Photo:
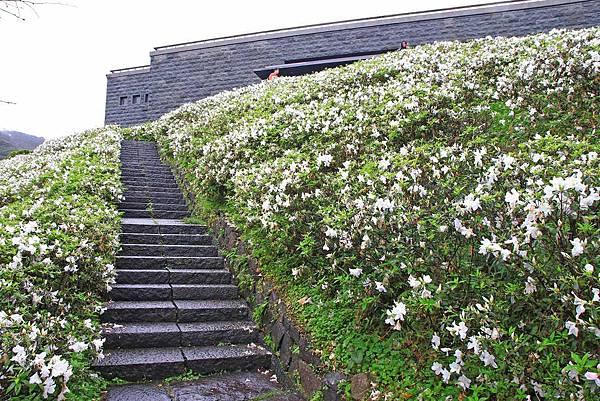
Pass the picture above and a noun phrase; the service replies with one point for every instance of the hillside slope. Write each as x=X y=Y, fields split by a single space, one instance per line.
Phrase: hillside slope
x=59 y=230
x=431 y=216
x=15 y=140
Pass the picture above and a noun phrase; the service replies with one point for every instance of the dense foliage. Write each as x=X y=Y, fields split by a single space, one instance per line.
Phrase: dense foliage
x=430 y=215
x=58 y=237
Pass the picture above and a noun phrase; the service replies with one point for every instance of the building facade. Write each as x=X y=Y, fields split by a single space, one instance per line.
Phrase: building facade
x=187 y=72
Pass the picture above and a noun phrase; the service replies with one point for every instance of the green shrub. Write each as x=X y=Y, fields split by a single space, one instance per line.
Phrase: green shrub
x=434 y=210
x=58 y=236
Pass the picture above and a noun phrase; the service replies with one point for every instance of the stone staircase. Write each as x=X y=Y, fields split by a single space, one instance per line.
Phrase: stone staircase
x=174 y=306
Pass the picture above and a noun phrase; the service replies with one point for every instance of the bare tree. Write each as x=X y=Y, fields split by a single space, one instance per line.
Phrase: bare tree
x=20 y=8
x=6 y=102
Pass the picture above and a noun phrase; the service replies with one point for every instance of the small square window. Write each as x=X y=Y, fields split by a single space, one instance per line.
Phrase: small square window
x=146 y=96
x=136 y=99
x=123 y=100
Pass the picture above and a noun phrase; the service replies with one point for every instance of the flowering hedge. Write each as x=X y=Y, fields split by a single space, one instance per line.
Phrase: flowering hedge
x=58 y=237
x=431 y=215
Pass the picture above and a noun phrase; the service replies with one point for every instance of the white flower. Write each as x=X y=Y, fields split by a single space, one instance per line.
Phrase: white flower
x=435 y=341
x=355 y=272
x=588 y=268
x=396 y=315
x=572 y=327
x=295 y=271
x=35 y=379
x=49 y=387
x=488 y=359
x=379 y=286
x=593 y=376
x=19 y=355
x=78 y=346
x=474 y=345
x=596 y=292
x=331 y=233
x=413 y=282
x=530 y=286
x=324 y=159
x=512 y=198
x=458 y=330
x=578 y=246
x=437 y=368
x=471 y=203
x=464 y=382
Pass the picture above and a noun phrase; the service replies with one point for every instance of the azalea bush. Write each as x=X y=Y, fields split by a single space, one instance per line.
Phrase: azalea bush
x=430 y=216
x=58 y=236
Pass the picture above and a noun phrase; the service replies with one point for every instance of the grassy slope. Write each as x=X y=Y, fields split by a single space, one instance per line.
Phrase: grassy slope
x=436 y=172
x=58 y=236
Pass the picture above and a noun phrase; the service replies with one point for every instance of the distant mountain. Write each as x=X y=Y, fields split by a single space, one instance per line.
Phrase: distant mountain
x=15 y=140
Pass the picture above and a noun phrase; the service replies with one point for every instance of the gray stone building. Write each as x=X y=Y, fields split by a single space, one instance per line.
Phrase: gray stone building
x=186 y=72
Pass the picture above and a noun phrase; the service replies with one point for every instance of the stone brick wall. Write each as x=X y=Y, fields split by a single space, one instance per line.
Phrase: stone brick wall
x=184 y=74
x=127 y=84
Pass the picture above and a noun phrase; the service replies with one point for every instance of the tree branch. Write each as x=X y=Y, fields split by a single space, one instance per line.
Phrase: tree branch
x=6 y=101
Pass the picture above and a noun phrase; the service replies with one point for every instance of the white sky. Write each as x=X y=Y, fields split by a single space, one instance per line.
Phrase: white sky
x=54 y=65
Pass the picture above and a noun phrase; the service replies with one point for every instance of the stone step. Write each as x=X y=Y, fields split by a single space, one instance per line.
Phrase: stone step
x=157 y=363
x=169 y=334
x=172 y=276
x=141 y=292
x=166 y=292
x=141 y=363
x=149 y=182
x=169 y=239
x=141 y=175
x=204 y=291
x=139 y=311
x=153 y=189
x=154 y=206
x=167 y=250
x=170 y=262
x=148 y=170
x=150 y=227
x=162 y=197
x=211 y=359
x=142 y=335
x=145 y=199
x=175 y=311
x=157 y=214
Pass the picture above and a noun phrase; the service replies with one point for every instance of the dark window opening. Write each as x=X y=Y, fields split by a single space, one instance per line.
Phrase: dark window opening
x=136 y=99
x=146 y=98
x=334 y=56
x=123 y=100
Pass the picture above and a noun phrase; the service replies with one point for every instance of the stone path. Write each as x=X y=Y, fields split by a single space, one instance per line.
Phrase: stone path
x=240 y=386
x=174 y=307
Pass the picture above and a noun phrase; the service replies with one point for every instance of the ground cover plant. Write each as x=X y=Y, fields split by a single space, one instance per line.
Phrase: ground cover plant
x=58 y=237
x=430 y=216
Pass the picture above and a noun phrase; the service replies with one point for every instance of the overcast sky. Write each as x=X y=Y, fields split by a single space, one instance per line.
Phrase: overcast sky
x=54 y=65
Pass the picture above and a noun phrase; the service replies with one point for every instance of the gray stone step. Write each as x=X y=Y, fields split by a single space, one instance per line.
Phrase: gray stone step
x=140 y=311
x=214 y=333
x=172 y=276
x=169 y=334
x=141 y=363
x=153 y=189
x=204 y=291
x=168 y=250
x=140 y=175
x=157 y=363
x=142 y=335
x=141 y=292
x=211 y=310
x=208 y=276
x=172 y=262
x=154 y=206
x=166 y=311
x=158 y=214
x=131 y=170
x=148 y=182
x=154 y=197
x=148 y=198
x=213 y=359
x=172 y=239
x=149 y=226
